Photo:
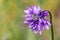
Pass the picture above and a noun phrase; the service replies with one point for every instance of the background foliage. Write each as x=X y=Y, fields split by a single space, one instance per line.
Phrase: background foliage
x=11 y=19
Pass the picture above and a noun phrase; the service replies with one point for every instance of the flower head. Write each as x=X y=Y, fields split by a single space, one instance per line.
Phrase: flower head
x=35 y=18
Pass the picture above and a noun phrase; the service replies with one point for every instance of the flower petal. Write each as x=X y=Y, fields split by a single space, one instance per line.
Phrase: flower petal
x=27 y=11
x=46 y=12
x=40 y=32
x=25 y=22
x=48 y=23
x=46 y=27
x=27 y=16
x=39 y=9
x=35 y=32
x=34 y=8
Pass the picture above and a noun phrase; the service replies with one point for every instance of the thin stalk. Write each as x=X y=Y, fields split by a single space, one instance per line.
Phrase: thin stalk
x=52 y=31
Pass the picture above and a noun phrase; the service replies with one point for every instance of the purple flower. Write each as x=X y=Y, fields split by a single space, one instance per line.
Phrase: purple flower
x=35 y=18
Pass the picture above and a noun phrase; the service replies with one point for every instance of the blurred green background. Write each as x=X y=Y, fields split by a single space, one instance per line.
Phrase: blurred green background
x=11 y=19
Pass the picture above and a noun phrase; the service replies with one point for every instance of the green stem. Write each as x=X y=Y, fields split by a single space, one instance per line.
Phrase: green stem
x=52 y=31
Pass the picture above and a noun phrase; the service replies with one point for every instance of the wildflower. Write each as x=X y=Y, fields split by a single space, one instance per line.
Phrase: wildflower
x=35 y=18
